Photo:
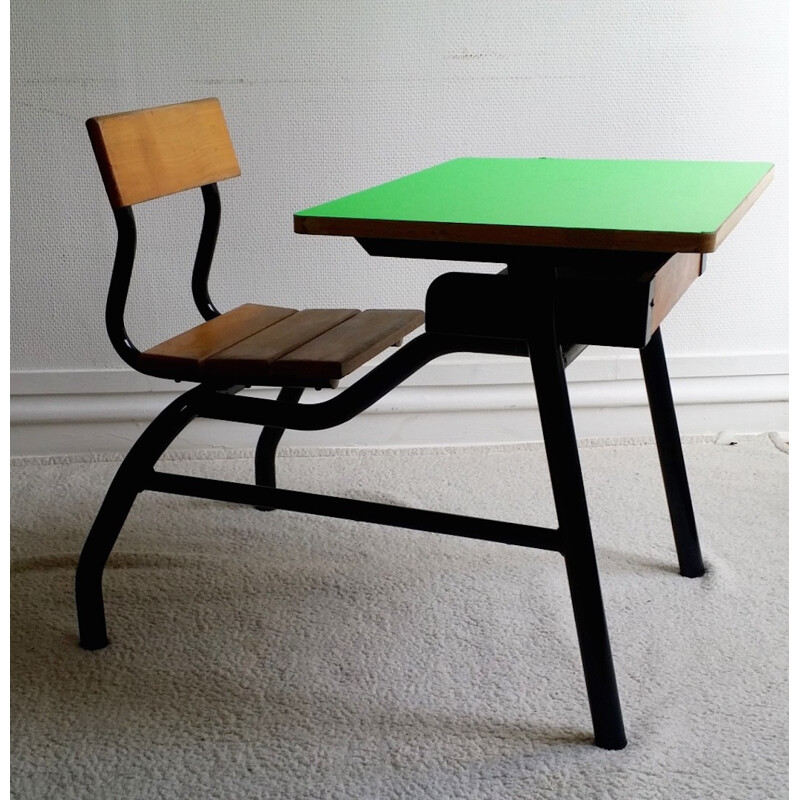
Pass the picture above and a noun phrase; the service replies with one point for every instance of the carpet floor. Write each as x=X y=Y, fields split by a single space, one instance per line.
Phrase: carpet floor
x=280 y=655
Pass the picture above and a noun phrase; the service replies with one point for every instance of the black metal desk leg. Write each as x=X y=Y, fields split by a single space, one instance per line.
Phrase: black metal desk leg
x=268 y=444
x=573 y=521
x=670 y=454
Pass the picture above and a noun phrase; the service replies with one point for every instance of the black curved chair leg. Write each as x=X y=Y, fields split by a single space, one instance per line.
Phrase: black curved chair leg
x=114 y=511
x=268 y=444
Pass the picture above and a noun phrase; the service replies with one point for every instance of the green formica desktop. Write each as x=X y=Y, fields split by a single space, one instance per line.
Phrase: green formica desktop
x=595 y=252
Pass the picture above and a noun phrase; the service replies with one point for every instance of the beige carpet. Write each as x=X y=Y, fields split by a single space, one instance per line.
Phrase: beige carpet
x=280 y=655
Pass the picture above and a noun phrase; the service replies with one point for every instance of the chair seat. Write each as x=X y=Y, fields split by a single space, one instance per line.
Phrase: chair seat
x=260 y=345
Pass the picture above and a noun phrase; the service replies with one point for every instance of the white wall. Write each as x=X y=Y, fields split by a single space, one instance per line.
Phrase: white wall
x=327 y=97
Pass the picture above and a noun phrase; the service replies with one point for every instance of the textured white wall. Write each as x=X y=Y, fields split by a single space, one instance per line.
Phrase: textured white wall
x=325 y=97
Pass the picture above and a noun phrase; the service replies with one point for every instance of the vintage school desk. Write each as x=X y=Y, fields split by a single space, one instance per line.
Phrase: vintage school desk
x=596 y=252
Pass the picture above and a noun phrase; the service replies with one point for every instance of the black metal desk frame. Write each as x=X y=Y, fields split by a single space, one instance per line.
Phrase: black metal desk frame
x=540 y=275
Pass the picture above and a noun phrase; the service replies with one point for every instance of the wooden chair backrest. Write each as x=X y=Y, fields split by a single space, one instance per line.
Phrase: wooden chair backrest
x=158 y=151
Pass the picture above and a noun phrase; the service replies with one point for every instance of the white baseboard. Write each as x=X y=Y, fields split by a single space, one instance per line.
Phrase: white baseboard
x=456 y=400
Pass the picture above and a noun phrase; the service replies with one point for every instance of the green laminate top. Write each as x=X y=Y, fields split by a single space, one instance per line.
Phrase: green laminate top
x=573 y=202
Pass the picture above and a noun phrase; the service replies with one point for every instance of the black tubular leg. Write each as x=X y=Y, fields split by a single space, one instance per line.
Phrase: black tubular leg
x=113 y=512
x=670 y=454
x=268 y=444
x=573 y=516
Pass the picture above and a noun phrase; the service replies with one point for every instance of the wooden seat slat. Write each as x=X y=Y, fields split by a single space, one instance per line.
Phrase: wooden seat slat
x=189 y=349
x=346 y=347
x=254 y=355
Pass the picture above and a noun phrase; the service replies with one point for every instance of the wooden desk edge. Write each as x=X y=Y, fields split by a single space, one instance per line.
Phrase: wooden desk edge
x=733 y=219
x=578 y=238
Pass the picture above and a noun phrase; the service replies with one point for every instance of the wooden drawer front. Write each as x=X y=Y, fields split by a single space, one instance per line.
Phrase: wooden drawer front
x=670 y=282
x=591 y=307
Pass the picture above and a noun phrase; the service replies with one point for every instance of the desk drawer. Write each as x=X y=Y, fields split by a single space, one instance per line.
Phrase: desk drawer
x=592 y=307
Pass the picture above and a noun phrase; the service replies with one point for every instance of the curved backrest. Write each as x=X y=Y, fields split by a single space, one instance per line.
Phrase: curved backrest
x=159 y=151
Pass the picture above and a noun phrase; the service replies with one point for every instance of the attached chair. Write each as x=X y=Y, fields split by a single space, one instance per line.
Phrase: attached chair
x=155 y=152
x=147 y=154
